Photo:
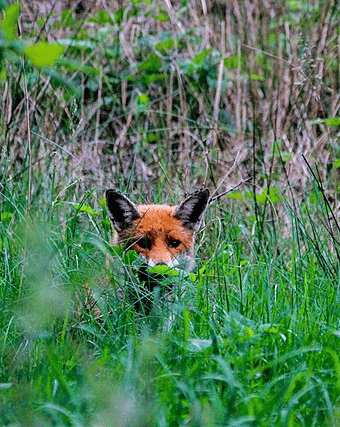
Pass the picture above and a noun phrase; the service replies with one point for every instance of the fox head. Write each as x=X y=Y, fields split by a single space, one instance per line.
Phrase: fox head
x=161 y=234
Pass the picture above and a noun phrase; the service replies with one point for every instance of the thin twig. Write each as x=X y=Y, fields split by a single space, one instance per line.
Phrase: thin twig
x=243 y=181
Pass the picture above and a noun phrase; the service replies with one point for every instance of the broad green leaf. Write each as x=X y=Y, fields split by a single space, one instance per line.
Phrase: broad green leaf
x=102 y=203
x=67 y=19
x=336 y=164
x=119 y=15
x=164 y=269
x=86 y=209
x=103 y=17
x=335 y=121
x=143 y=99
x=117 y=250
x=235 y=195
x=43 y=54
x=249 y=332
x=192 y=277
x=162 y=16
x=151 y=78
x=152 y=64
x=9 y=22
x=165 y=46
x=233 y=61
x=261 y=198
x=129 y=257
x=152 y=137
x=3 y=74
x=257 y=77
x=200 y=58
x=5 y=215
x=274 y=196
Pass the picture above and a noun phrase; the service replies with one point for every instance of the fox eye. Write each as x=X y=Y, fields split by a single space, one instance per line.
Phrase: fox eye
x=144 y=242
x=174 y=243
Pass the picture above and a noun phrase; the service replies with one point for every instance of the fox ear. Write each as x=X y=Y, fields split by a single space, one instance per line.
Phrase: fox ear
x=191 y=211
x=121 y=210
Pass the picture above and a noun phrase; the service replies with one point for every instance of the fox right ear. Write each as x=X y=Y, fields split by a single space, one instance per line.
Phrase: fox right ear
x=191 y=211
x=121 y=210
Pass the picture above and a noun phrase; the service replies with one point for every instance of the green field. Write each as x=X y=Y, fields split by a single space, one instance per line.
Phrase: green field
x=157 y=99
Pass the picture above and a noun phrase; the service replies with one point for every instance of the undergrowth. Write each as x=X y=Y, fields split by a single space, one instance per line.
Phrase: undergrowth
x=156 y=99
x=250 y=338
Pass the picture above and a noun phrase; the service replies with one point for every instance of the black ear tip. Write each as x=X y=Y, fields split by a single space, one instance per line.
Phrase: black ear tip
x=112 y=192
x=202 y=194
x=206 y=192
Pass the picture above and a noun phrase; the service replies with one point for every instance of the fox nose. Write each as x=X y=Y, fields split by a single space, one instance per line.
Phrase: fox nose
x=156 y=262
x=160 y=263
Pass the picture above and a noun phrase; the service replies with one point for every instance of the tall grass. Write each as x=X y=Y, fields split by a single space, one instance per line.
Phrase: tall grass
x=253 y=340
x=156 y=99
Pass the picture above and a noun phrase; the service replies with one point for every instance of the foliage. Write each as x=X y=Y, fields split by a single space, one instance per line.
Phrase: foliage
x=155 y=98
x=251 y=337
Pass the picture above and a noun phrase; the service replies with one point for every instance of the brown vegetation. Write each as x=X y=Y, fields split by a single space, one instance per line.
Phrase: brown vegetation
x=182 y=93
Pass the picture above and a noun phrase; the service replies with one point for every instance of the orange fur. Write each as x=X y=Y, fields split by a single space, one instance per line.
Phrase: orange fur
x=158 y=224
x=161 y=234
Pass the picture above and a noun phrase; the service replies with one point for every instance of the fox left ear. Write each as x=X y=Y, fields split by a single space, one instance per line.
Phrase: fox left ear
x=121 y=210
x=191 y=211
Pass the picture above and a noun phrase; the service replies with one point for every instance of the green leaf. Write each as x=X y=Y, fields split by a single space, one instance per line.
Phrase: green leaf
x=162 y=16
x=192 y=277
x=151 y=137
x=249 y=332
x=9 y=23
x=235 y=195
x=117 y=250
x=164 y=269
x=86 y=209
x=165 y=46
x=232 y=62
x=151 y=78
x=102 y=203
x=129 y=257
x=200 y=58
x=257 y=77
x=143 y=99
x=273 y=195
x=67 y=19
x=43 y=54
x=151 y=65
x=119 y=15
x=5 y=215
x=102 y=17
x=3 y=74
x=335 y=121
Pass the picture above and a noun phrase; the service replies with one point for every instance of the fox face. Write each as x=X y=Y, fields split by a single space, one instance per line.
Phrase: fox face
x=161 y=234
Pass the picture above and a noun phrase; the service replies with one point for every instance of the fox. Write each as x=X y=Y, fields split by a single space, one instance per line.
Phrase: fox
x=161 y=234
